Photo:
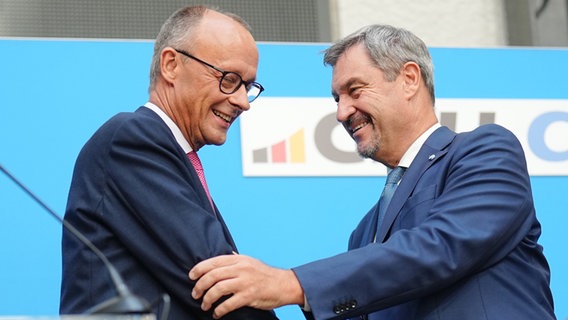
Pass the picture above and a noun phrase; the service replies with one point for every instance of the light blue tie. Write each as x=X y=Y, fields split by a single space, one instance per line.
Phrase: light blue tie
x=390 y=186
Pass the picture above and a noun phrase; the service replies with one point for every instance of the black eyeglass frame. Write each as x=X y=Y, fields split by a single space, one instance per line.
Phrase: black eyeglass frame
x=248 y=84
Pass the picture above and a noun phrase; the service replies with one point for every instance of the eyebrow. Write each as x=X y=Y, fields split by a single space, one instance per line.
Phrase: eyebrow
x=344 y=86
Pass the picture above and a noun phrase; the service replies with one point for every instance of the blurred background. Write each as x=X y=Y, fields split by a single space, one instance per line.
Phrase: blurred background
x=462 y=23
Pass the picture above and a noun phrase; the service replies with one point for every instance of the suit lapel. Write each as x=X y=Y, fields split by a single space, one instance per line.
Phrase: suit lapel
x=433 y=149
x=195 y=180
x=213 y=210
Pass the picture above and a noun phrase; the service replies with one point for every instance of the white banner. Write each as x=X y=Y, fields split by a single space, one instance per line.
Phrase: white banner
x=300 y=136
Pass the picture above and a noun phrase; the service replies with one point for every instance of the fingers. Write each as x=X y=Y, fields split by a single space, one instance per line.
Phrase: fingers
x=207 y=265
x=219 y=290
x=226 y=306
x=209 y=272
x=208 y=286
x=222 y=289
x=246 y=282
x=217 y=277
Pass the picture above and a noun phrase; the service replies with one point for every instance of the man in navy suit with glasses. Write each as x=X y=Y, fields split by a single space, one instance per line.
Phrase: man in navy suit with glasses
x=138 y=190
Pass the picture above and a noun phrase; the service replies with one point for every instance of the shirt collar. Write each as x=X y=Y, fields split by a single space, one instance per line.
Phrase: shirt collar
x=183 y=143
x=411 y=153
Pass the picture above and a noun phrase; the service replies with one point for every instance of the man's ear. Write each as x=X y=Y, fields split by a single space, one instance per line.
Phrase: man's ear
x=412 y=78
x=169 y=64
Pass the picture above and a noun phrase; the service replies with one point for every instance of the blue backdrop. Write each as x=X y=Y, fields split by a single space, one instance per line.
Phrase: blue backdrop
x=56 y=93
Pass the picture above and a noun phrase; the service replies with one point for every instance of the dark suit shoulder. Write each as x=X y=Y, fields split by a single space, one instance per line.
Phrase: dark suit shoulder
x=491 y=131
x=492 y=137
x=143 y=116
x=134 y=128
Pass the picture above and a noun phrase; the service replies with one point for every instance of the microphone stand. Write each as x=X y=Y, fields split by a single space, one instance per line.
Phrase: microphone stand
x=125 y=302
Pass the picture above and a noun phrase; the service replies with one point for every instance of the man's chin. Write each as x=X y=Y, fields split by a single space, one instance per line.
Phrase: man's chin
x=217 y=140
x=218 y=143
x=366 y=151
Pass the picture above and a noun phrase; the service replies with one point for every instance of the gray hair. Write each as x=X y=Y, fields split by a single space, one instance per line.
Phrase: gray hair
x=390 y=48
x=178 y=31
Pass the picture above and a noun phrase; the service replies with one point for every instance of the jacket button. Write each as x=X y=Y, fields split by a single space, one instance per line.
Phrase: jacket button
x=337 y=310
x=353 y=304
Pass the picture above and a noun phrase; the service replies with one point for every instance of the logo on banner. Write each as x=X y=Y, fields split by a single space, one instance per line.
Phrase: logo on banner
x=298 y=137
x=291 y=149
x=301 y=136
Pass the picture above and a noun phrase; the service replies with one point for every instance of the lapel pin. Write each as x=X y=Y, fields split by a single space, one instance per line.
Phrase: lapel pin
x=431 y=157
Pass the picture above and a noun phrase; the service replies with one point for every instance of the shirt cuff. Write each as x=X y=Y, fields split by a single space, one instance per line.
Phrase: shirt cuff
x=306 y=306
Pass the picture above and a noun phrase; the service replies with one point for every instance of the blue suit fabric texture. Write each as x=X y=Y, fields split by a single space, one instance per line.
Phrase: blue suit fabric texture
x=136 y=196
x=459 y=241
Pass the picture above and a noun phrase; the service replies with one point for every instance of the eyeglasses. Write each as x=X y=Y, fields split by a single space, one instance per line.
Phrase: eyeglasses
x=230 y=81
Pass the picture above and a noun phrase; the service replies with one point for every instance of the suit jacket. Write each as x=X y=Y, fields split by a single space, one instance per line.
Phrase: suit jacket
x=137 y=197
x=458 y=241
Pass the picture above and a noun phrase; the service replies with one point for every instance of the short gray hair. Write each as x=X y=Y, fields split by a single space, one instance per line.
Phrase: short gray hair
x=177 y=31
x=390 y=48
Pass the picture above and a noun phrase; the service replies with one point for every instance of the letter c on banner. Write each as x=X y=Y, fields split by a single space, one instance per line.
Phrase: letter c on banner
x=537 y=132
x=325 y=146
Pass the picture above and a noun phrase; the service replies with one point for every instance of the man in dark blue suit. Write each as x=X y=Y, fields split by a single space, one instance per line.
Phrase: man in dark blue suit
x=459 y=239
x=138 y=195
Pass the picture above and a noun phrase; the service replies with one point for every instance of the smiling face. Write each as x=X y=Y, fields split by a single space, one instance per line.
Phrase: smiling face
x=192 y=97
x=371 y=109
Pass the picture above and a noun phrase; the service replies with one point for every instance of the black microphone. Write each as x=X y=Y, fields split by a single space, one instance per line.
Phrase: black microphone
x=125 y=302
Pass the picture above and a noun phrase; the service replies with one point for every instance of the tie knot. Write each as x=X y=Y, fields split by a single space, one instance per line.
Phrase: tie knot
x=395 y=175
